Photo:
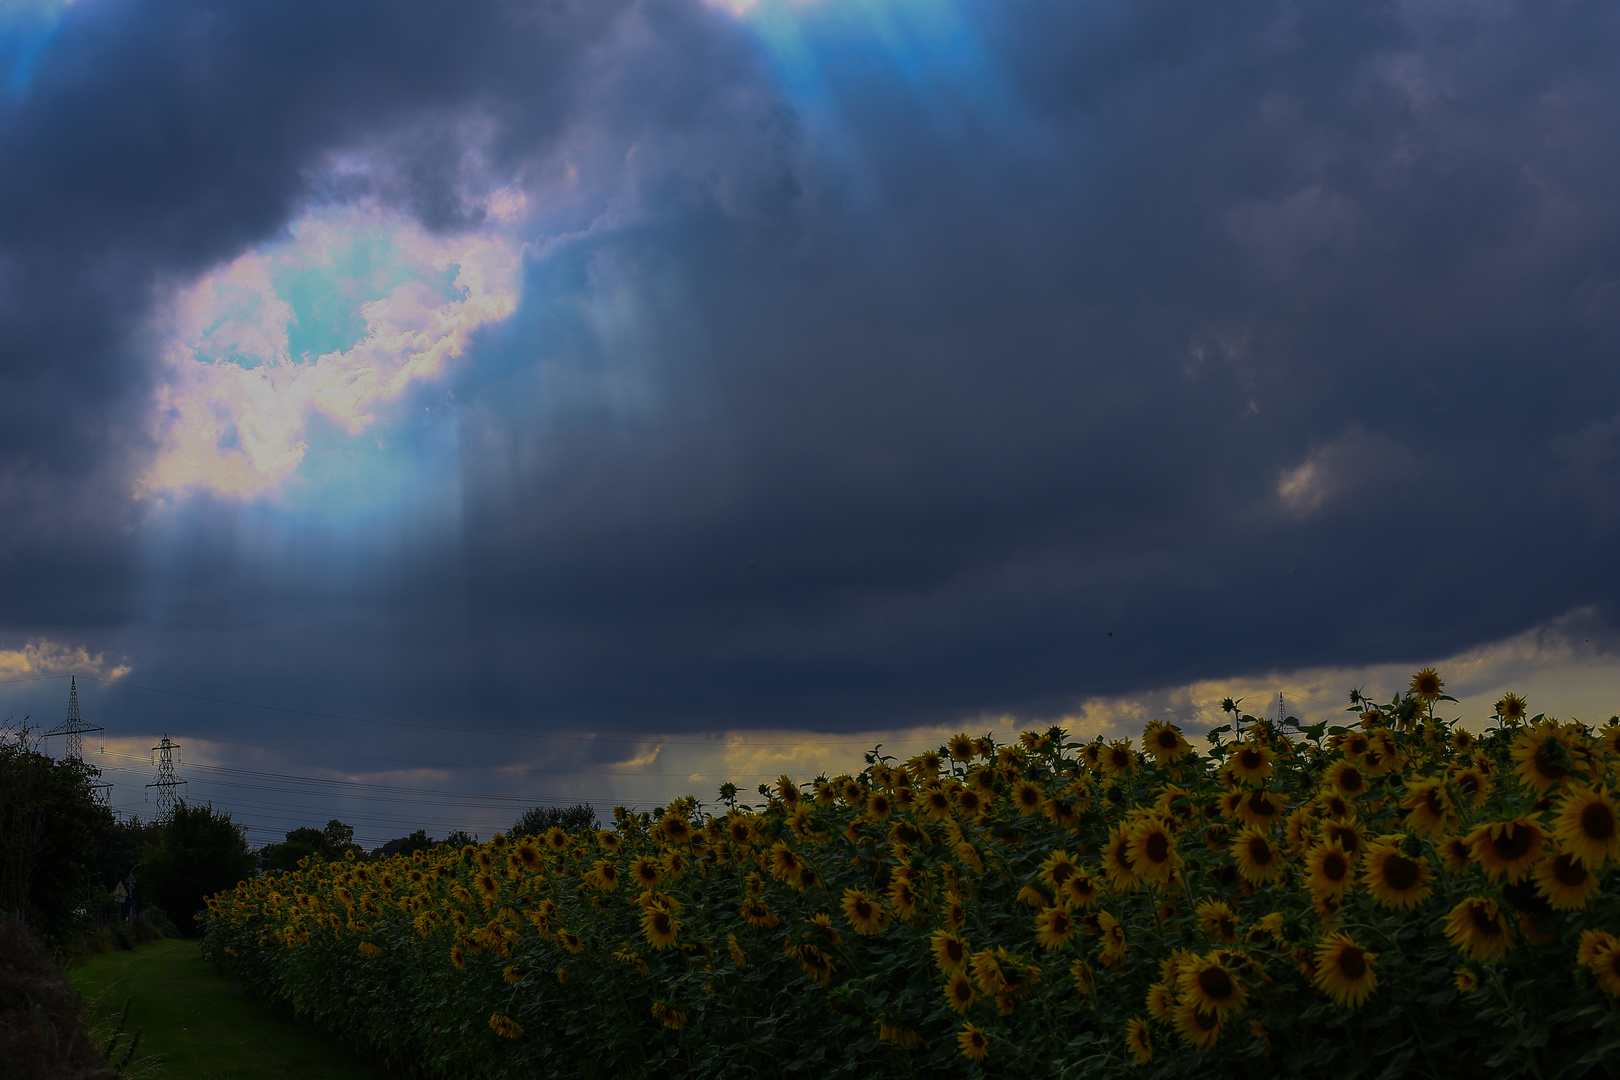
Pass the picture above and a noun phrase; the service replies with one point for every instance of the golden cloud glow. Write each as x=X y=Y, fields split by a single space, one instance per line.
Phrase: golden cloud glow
x=43 y=657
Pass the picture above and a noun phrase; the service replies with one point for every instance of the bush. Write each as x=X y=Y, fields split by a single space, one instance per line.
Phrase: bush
x=197 y=851
x=42 y=1034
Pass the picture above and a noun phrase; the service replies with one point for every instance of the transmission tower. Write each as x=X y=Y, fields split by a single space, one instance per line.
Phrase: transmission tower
x=166 y=780
x=74 y=726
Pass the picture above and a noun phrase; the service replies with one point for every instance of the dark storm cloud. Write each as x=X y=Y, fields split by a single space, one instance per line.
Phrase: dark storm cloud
x=1153 y=342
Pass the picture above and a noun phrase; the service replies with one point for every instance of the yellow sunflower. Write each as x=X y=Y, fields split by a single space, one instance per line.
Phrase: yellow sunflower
x=1471 y=783
x=669 y=1015
x=1118 y=759
x=1054 y=927
x=1117 y=864
x=1028 y=797
x=903 y=898
x=864 y=914
x=1161 y=1003
x=1251 y=763
x=959 y=993
x=1082 y=890
x=1197 y=1028
x=1394 y=879
x=974 y=1044
x=1328 y=871
x=1478 y=928
x=879 y=807
x=1346 y=778
x=1588 y=826
x=1591 y=942
x=1211 y=986
x=1566 y=882
x=646 y=872
x=757 y=913
x=1605 y=966
x=1541 y=757
x=1216 y=920
x=961 y=747
x=1058 y=868
x=1456 y=853
x=505 y=1026
x=1153 y=851
x=1466 y=980
x=815 y=963
x=1427 y=685
x=1512 y=708
x=1257 y=856
x=1138 y=1040
x=950 y=952
x=1113 y=940
x=987 y=972
x=608 y=839
x=1344 y=970
x=1259 y=808
x=1428 y=807
x=1507 y=848
x=1085 y=980
x=1164 y=742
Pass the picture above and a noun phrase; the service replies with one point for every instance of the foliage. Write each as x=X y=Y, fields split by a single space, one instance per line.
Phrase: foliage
x=1393 y=898
x=197 y=851
x=49 y=822
x=331 y=842
x=42 y=1034
x=538 y=819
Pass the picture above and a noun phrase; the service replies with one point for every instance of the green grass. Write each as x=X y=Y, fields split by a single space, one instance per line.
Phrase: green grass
x=198 y=1025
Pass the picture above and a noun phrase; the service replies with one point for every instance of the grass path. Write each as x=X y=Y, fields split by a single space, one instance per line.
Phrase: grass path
x=202 y=1026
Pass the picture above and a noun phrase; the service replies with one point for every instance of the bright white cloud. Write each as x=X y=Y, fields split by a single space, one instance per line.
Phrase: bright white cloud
x=338 y=319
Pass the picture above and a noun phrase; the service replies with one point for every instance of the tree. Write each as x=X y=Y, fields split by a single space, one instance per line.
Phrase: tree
x=537 y=820
x=405 y=845
x=198 y=851
x=50 y=829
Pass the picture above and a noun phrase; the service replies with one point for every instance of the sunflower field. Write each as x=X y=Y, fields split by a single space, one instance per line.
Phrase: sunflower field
x=1394 y=897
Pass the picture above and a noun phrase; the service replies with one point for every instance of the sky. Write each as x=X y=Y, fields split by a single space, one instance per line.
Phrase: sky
x=425 y=411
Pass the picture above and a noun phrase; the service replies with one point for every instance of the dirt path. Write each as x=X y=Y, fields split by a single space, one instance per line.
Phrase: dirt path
x=200 y=1026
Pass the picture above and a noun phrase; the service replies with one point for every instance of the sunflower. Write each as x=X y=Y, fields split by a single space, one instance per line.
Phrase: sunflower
x=607 y=839
x=1507 y=848
x=1395 y=880
x=1512 y=708
x=1054 y=927
x=1260 y=808
x=959 y=991
x=1328 y=871
x=903 y=898
x=1251 y=763
x=645 y=872
x=1428 y=807
x=1344 y=970
x=974 y=1044
x=962 y=748
x=1085 y=980
x=863 y=913
x=1118 y=759
x=1427 y=685
x=505 y=1026
x=1257 y=857
x=950 y=952
x=757 y=913
x=1346 y=778
x=1211 y=986
x=458 y=958
x=1566 y=882
x=903 y=1037
x=1541 y=757
x=1028 y=797
x=1138 y=1040
x=1061 y=812
x=1161 y=1002
x=969 y=801
x=1197 y=1028
x=1164 y=742
x=1153 y=851
x=489 y=889
x=1605 y=965
x=935 y=803
x=953 y=913
x=1588 y=826
x=1591 y=941
x=1348 y=834
x=987 y=972
x=1478 y=928
x=1216 y=920
x=1117 y=864
x=1113 y=940
x=1058 y=868
x=659 y=927
x=1082 y=890
x=1471 y=782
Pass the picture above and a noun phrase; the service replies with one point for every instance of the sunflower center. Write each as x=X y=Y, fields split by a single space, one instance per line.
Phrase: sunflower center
x=1250 y=758
x=1547 y=763
x=863 y=910
x=1157 y=847
x=1569 y=872
x=1335 y=866
x=1400 y=873
x=1351 y=780
x=1597 y=822
x=1261 y=806
x=1352 y=963
x=1484 y=922
x=1167 y=740
x=1260 y=852
x=1513 y=843
x=1216 y=984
